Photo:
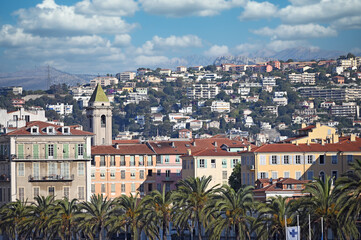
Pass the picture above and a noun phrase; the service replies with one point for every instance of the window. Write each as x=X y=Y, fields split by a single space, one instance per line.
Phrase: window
x=122 y=161
x=150 y=187
x=21 y=194
x=36 y=191
x=286 y=174
x=234 y=161
x=81 y=195
x=298 y=159
x=141 y=160
x=177 y=159
x=141 y=174
x=201 y=163
x=132 y=174
x=322 y=159
x=286 y=159
x=51 y=150
x=112 y=173
x=102 y=174
x=112 y=161
x=92 y=174
x=179 y=173
x=349 y=158
x=213 y=163
x=52 y=168
x=273 y=159
x=158 y=172
x=334 y=175
x=263 y=175
x=122 y=174
x=132 y=161
x=150 y=161
x=112 y=188
x=167 y=187
x=310 y=159
x=51 y=191
x=102 y=161
x=80 y=150
x=309 y=175
x=21 y=170
x=159 y=187
x=322 y=176
x=224 y=163
x=150 y=172
x=334 y=159
x=224 y=175
x=166 y=159
x=81 y=169
x=103 y=121
x=274 y=175
x=262 y=160
x=122 y=188
x=65 y=170
x=92 y=188
x=298 y=175
x=132 y=187
x=289 y=186
x=102 y=188
x=167 y=173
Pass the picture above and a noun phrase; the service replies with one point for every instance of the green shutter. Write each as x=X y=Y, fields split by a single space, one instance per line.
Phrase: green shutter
x=161 y=159
x=46 y=151
x=55 y=150
x=198 y=163
x=76 y=151
x=84 y=153
x=20 y=151
x=205 y=163
x=36 y=151
x=66 y=151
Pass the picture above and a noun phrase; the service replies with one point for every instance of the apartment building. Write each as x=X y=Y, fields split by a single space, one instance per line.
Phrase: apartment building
x=45 y=159
x=21 y=117
x=126 y=76
x=220 y=106
x=347 y=109
x=304 y=78
x=104 y=81
x=61 y=108
x=181 y=69
x=199 y=91
x=269 y=81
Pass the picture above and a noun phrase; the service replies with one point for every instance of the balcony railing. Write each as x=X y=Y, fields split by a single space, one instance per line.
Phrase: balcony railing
x=51 y=178
x=44 y=157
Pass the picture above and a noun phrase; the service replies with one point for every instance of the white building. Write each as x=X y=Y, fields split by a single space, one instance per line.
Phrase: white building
x=208 y=91
x=181 y=69
x=244 y=91
x=304 y=78
x=20 y=117
x=61 y=108
x=126 y=76
x=104 y=81
x=269 y=81
x=220 y=106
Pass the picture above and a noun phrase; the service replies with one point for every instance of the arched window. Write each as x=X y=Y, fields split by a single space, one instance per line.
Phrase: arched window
x=322 y=176
x=103 y=121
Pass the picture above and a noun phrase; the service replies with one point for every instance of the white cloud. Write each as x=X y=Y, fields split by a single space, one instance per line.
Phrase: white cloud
x=323 y=11
x=297 y=32
x=150 y=60
x=247 y=47
x=49 y=18
x=180 y=8
x=347 y=23
x=122 y=40
x=258 y=10
x=216 y=51
x=107 y=7
x=171 y=43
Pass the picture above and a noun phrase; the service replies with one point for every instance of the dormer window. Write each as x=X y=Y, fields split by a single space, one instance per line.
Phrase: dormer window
x=50 y=130
x=34 y=130
x=65 y=130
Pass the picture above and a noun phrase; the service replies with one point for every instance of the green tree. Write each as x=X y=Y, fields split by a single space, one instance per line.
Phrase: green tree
x=65 y=218
x=235 y=180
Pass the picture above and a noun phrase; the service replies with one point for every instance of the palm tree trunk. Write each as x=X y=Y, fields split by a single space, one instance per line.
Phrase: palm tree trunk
x=236 y=229
x=164 y=230
x=199 y=228
x=126 y=231
x=101 y=232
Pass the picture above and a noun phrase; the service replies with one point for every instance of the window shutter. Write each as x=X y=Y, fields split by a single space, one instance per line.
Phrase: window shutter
x=232 y=165
x=270 y=160
x=302 y=159
x=66 y=151
x=283 y=159
x=205 y=163
x=20 y=151
x=55 y=150
x=198 y=163
x=313 y=159
x=278 y=159
x=84 y=152
x=266 y=174
x=259 y=175
x=293 y=159
x=46 y=151
x=76 y=151
x=36 y=151
x=161 y=159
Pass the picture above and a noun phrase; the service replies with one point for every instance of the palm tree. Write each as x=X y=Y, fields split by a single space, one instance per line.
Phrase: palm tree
x=95 y=214
x=12 y=215
x=41 y=217
x=190 y=201
x=348 y=191
x=323 y=205
x=232 y=210
x=157 y=209
x=65 y=217
x=127 y=215
x=271 y=219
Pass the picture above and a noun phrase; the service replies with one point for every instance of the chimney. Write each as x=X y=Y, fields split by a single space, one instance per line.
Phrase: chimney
x=194 y=143
x=303 y=125
x=189 y=151
x=215 y=144
x=117 y=146
x=296 y=143
x=308 y=142
x=318 y=125
x=173 y=145
x=352 y=137
x=322 y=142
x=335 y=138
x=249 y=148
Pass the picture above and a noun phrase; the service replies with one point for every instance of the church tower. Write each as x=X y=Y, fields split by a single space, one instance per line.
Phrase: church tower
x=99 y=113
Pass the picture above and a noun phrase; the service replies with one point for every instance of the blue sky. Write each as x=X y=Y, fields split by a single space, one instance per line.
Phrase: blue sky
x=109 y=36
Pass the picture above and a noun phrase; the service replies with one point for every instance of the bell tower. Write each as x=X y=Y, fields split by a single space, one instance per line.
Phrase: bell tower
x=99 y=113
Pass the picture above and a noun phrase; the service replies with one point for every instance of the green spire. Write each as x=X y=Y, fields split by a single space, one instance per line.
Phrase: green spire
x=98 y=95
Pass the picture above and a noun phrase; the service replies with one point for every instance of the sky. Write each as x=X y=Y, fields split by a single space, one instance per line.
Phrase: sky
x=110 y=36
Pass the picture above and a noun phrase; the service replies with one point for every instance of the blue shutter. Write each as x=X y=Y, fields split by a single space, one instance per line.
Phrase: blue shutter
x=198 y=163
x=205 y=163
x=270 y=160
x=278 y=159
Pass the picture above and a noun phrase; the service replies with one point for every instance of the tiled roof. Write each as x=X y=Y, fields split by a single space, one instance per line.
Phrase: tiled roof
x=307 y=128
x=214 y=152
x=98 y=95
x=132 y=149
x=283 y=181
x=42 y=125
x=131 y=141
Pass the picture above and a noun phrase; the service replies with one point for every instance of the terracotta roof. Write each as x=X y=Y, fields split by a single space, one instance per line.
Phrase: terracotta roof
x=214 y=152
x=307 y=128
x=131 y=141
x=98 y=95
x=42 y=125
x=283 y=181
x=131 y=149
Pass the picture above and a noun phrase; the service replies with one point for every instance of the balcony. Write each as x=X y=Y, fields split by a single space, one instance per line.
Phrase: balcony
x=4 y=178
x=52 y=178
x=251 y=167
x=168 y=179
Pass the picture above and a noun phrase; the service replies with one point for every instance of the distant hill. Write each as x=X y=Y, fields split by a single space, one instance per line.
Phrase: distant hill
x=36 y=78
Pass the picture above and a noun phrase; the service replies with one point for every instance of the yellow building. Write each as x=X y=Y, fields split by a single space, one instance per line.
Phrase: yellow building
x=299 y=161
x=315 y=134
